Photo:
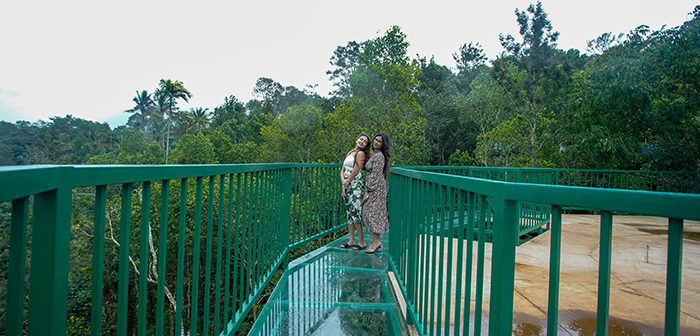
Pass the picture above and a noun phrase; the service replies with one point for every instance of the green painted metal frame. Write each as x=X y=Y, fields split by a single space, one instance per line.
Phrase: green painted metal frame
x=429 y=244
x=302 y=202
x=260 y=221
x=661 y=181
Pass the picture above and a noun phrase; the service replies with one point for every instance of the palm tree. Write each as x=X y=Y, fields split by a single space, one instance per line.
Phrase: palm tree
x=144 y=107
x=201 y=118
x=171 y=91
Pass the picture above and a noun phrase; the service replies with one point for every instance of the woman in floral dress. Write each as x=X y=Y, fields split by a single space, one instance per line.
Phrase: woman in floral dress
x=353 y=188
x=374 y=211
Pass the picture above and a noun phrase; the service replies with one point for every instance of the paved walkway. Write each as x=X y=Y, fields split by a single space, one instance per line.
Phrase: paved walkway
x=638 y=278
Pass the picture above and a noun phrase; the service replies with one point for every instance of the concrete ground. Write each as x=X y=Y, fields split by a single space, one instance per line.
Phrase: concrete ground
x=637 y=281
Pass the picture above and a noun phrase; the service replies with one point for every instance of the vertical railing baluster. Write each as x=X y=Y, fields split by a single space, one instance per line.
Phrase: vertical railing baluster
x=245 y=241
x=220 y=244
x=449 y=236
x=461 y=240
x=424 y=252
x=179 y=328
x=17 y=268
x=143 y=262
x=257 y=235
x=554 y=270
x=440 y=257
x=237 y=246
x=207 y=263
x=227 y=278
x=480 y=260
x=124 y=246
x=196 y=243
x=98 y=257
x=674 y=277
x=433 y=257
x=605 y=260
x=162 y=262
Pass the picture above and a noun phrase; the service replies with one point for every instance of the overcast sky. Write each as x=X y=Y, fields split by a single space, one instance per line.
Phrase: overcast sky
x=88 y=58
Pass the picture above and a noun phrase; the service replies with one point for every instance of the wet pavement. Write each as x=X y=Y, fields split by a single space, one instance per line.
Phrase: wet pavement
x=638 y=278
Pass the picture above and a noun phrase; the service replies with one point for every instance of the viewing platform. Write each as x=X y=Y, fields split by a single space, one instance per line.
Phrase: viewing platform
x=190 y=249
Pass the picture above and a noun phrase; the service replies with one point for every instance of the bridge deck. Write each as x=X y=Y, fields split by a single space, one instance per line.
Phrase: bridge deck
x=333 y=291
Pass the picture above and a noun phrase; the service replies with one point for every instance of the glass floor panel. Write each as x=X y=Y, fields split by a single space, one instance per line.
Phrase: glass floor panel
x=333 y=291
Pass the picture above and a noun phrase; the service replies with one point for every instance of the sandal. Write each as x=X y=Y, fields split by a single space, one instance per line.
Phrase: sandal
x=358 y=247
x=379 y=248
x=347 y=245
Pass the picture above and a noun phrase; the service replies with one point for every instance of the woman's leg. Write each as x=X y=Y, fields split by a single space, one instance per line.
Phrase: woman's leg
x=360 y=236
x=351 y=233
x=376 y=240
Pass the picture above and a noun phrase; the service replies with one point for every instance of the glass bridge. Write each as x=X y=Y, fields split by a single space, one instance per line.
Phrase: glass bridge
x=333 y=291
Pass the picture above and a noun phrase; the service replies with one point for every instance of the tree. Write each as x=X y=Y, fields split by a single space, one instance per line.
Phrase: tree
x=269 y=92
x=294 y=136
x=345 y=61
x=637 y=102
x=195 y=149
x=469 y=57
x=171 y=91
x=537 y=85
x=231 y=109
x=438 y=97
x=194 y=120
x=144 y=107
x=383 y=97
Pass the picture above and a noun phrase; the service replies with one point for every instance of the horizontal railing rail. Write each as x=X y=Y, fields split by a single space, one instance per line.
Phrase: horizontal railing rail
x=677 y=182
x=422 y=258
x=175 y=249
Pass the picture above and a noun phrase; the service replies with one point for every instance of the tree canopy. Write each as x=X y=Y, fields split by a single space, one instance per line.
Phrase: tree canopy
x=630 y=102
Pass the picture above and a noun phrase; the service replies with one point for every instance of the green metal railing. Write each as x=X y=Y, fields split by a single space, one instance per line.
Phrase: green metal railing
x=676 y=182
x=423 y=257
x=193 y=247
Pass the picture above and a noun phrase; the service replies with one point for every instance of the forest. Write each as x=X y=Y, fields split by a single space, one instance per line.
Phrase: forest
x=631 y=101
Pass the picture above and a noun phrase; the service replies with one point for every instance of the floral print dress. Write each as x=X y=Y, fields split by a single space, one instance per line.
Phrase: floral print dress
x=374 y=212
x=354 y=192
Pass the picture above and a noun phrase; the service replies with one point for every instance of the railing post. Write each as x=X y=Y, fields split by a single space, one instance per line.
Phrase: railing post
x=48 y=295
x=554 y=270
x=505 y=231
x=17 y=268
x=674 y=276
x=605 y=261
x=286 y=213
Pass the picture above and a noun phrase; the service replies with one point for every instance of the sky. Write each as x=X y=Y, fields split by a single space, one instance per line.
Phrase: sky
x=88 y=58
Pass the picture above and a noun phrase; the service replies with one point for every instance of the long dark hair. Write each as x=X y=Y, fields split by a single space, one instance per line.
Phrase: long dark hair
x=386 y=150
x=368 y=146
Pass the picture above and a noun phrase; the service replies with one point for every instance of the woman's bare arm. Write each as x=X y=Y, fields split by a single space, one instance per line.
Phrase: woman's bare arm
x=359 y=163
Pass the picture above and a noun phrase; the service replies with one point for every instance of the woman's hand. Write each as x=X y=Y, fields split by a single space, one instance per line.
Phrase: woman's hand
x=343 y=193
x=365 y=196
x=346 y=183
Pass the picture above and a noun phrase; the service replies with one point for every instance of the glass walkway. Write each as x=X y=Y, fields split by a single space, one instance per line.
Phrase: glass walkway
x=334 y=291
